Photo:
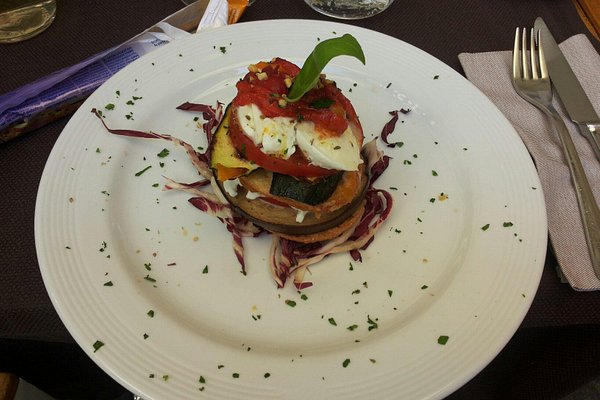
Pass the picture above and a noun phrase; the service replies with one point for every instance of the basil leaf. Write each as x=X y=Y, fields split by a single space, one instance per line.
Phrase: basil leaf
x=345 y=45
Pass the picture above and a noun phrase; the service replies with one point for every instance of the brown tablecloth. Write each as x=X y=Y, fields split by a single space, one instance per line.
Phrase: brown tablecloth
x=553 y=353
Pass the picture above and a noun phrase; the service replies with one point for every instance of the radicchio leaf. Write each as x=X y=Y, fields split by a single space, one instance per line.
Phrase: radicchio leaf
x=199 y=160
x=389 y=127
x=211 y=115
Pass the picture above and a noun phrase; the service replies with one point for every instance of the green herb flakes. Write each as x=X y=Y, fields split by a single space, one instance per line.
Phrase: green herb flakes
x=290 y=303
x=323 y=102
x=150 y=313
x=142 y=171
x=390 y=292
x=507 y=224
x=346 y=363
x=372 y=323
x=235 y=375
x=163 y=153
x=146 y=336
x=352 y=327
x=485 y=227
x=205 y=269
x=443 y=339
x=109 y=283
x=332 y=321
x=201 y=379
x=266 y=375
x=434 y=172
x=110 y=106
x=97 y=344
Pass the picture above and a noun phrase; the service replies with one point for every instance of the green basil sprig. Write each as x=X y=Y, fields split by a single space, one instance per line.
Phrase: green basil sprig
x=346 y=45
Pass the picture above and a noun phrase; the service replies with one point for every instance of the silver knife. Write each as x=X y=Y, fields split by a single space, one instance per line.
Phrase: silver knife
x=569 y=89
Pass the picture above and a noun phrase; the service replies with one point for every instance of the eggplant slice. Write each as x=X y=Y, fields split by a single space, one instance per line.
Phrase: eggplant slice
x=281 y=219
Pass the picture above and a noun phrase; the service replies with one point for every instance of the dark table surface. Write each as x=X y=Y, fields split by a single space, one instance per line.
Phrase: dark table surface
x=554 y=352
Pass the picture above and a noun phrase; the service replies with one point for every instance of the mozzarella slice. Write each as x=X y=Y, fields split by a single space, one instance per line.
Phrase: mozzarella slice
x=274 y=136
x=332 y=152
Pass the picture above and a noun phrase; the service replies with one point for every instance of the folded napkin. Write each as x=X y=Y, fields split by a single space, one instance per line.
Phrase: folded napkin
x=491 y=73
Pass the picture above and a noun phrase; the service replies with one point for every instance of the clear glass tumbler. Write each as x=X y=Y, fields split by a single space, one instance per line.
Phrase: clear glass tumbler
x=349 y=9
x=23 y=19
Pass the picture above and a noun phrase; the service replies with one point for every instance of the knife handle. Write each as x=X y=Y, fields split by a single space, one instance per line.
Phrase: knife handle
x=588 y=207
x=592 y=133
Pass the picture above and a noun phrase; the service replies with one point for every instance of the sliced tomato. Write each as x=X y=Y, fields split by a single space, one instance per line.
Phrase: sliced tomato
x=295 y=165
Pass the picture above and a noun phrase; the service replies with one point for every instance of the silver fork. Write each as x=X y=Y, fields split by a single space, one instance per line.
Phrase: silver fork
x=531 y=81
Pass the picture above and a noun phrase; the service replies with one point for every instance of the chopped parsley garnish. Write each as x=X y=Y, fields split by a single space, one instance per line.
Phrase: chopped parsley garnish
x=352 y=327
x=202 y=380
x=142 y=171
x=150 y=313
x=205 y=270
x=434 y=172
x=235 y=375
x=390 y=292
x=372 y=323
x=109 y=283
x=485 y=227
x=97 y=344
x=332 y=321
x=323 y=102
x=443 y=339
x=507 y=224
x=290 y=303
x=110 y=106
x=346 y=362
x=163 y=153
x=267 y=374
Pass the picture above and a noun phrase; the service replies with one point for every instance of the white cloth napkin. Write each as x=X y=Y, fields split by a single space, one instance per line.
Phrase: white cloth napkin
x=491 y=73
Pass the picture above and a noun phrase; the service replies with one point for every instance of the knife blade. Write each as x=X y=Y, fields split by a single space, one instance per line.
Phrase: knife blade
x=569 y=89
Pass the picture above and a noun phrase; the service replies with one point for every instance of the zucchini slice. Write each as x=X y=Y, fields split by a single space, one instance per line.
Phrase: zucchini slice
x=304 y=191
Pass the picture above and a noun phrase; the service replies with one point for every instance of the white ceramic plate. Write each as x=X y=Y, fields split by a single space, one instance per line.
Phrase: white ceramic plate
x=367 y=330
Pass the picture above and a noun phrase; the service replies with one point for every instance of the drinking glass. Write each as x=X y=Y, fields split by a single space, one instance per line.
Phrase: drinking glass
x=23 y=19
x=349 y=9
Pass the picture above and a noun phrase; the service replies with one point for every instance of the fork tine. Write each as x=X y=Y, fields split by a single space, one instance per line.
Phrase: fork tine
x=516 y=64
x=533 y=55
x=526 y=70
x=542 y=57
